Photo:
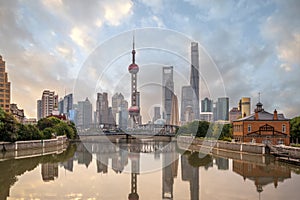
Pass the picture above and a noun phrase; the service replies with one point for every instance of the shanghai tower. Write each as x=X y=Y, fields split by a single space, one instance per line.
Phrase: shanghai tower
x=194 y=79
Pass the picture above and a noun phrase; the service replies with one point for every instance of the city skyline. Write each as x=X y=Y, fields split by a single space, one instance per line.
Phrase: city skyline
x=46 y=44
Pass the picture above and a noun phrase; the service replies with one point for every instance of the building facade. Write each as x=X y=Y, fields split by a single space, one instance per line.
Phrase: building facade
x=234 y=114
x=4 y=87
x=168 y=92
x=47 y=104
x=186 y=104
x=84 y=114
x=262 y=127
x=174 y=111
x=68 y=104
x=222 y=109
x=206 y=105
x=102 y=109
x=194 y=78
x=157 y=114
x=17 y=113
x=245 y=106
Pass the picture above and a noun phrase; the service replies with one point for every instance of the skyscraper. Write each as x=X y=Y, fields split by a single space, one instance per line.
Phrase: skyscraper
x=174 y=111
x=102 y=109
x=116 y=101
x=194 y=79
x=47 y=104
x=168 y=92
x=68 y=104
x=223 y=108
x=39 y=109
x=186 y=104
x=84 y=114
x=4 y=87
x=120 y=110
x=206 y=105
x=157 y=114
x=61 y=106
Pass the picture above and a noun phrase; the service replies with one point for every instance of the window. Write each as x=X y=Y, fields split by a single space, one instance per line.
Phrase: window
x=283 y=128
x=249 y=128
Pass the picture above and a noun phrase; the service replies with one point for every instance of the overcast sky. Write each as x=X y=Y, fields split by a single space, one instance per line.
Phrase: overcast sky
x=253 y=45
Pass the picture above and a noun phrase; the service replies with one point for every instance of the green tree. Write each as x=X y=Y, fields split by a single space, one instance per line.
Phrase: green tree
x=8 y=127
x=197 y=159
x=63 y=128
x=226 y=132
x=48 y=132
x=47 y=122
x=202 y=128
x=295 y=129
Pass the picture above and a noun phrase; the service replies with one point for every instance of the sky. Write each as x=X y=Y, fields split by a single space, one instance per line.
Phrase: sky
x=83 y=47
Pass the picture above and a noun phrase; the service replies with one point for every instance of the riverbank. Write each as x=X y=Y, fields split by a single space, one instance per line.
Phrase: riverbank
x=292 y=154
x=198 y=144
x=32 y=148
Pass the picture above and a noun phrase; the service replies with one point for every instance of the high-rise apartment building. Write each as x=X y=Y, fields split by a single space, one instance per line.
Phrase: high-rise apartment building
x=245 y=106
x=194 y=79
x=168 y=92
x=84 y=114
x=4 y=87
x=223 y=108
x=47 y=104
x=186 y=104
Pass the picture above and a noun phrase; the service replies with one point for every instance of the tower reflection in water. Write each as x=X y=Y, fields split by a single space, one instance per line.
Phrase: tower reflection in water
x=121 y=154
x=123 y=157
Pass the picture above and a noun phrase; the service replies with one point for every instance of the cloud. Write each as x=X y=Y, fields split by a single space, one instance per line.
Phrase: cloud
x=255 y=44
x=283 y=29
x=115 y=11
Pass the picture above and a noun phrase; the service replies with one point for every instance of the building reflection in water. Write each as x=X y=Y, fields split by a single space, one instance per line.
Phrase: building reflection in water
x=262 y=174
x=122 y=154
x=169 y=172
x=190 y=164
x=49 y=171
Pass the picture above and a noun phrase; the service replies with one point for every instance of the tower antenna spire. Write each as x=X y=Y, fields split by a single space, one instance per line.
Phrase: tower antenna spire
x=133 y=38
x=133 y=50
x=259 y=97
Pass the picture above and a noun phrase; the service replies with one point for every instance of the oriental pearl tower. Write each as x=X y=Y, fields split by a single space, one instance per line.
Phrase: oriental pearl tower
x=134 y=110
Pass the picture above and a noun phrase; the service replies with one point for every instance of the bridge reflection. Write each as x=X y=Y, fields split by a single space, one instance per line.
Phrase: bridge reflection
x=124 y=157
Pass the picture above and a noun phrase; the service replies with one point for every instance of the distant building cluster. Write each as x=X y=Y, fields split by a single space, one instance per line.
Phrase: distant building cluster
x=119 y=114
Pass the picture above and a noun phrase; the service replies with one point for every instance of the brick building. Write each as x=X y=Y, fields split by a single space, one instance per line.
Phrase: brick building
x=262 y=127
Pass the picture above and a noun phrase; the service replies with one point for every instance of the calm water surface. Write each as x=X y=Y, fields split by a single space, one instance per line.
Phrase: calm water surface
x=153 y=170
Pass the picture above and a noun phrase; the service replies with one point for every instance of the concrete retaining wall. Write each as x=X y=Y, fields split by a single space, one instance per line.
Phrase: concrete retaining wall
x=32 y=144
x=186 y=141
x=293 y=152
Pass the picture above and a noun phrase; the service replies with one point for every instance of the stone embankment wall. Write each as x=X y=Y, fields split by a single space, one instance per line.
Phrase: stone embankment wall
x=29 y=148
x=209 y=145
x=293 y=152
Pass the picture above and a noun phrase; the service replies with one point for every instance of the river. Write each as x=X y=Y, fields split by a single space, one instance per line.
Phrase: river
x=150 y=169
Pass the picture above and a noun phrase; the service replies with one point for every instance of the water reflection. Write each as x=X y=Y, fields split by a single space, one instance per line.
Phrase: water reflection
x=262 y=174
x=127 y=159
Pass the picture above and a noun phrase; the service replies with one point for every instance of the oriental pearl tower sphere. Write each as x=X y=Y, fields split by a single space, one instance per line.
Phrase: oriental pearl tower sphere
x=134 y=110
